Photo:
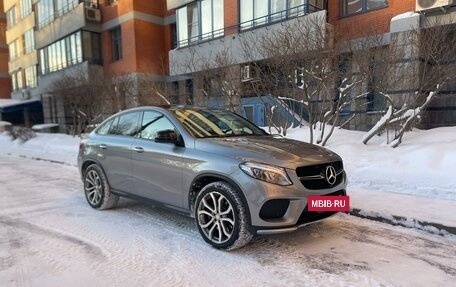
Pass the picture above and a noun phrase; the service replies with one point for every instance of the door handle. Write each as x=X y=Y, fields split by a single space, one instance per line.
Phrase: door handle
x=103 y=146
x=138 y=149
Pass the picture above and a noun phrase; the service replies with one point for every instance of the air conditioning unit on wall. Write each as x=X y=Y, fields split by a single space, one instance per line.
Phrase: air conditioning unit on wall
x=92 y=14
x=423 y=5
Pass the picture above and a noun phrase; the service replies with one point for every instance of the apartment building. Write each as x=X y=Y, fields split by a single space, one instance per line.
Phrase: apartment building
x=52 y=39
x=21 y=63
x=5 y=82
x=211 y=27
x=172 y=41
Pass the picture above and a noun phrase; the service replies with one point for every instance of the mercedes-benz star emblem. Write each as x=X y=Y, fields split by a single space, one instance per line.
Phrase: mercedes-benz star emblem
x=331 y=175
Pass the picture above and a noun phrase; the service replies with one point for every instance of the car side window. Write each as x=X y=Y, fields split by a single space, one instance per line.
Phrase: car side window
x=153 y=122
x=104 y=128
x=125 y=125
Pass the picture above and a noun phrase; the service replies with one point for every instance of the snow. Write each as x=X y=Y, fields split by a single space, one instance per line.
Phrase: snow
x=405 y=16
x=414 y=180
x=44 y=126
x=49 y=236
x=380 y=123
x=4 y=103
x=54 y=147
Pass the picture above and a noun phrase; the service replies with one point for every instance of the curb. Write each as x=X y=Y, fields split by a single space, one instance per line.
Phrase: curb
x=43 y=159
x=429 y=227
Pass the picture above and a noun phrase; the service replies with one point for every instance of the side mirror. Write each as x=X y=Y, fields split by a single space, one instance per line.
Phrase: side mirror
x=166 y=136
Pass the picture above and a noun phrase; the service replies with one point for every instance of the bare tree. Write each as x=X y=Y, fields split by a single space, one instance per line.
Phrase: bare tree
x=215 y=78
x=303 y=65
x=433 y=54
x=84 y=97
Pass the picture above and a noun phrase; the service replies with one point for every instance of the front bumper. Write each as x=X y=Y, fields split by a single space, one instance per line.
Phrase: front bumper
x=306 y=218
x=258 y=193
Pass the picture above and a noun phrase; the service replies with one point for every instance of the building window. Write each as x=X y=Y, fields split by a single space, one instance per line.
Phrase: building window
x=116 y=43
x=91 y=47
x=28 y=41
x=26 y=8
x=17 y=80
x=199 y=21
x=45 y=12
x=69 y=51
x=256 y=13
x=11 y=17
x=350 y=7
x=64 y=6
x=14 y=49
x=30 y=77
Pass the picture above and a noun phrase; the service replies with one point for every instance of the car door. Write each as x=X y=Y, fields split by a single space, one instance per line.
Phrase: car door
x=157 y=167
x=114 y=151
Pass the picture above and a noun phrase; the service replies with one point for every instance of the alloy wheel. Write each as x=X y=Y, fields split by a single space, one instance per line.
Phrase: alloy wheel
x=216 y=217
x=93 y=187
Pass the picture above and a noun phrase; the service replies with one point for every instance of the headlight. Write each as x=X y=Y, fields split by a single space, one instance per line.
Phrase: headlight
x=271 y=174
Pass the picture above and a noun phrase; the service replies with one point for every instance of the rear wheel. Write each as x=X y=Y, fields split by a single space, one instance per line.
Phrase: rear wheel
x=96 y=189
x=221 y=216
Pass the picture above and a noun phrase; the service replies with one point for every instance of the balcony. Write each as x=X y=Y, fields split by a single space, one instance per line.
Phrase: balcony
x=229 y=39
x=70 y=19
x=256 y=23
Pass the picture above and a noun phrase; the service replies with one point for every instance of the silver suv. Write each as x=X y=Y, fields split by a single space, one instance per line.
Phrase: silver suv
x=231 y=176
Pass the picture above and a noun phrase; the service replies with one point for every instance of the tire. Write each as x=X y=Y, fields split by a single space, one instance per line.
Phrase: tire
x=221 y=216
x=97 y=190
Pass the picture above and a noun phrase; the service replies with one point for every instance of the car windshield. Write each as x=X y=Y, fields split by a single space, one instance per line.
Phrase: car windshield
x=202 y=123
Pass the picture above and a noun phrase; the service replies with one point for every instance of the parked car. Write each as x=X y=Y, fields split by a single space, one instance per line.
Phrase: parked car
x=235 y=179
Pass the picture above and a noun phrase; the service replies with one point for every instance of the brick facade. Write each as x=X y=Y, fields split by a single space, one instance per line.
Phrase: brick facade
x=146 y=38
x=5 y=80
x=375 y=21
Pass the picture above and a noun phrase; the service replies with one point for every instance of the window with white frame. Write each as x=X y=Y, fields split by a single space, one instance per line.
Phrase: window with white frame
x=46 y=13
x=26 y=8
x=350 y=7
x=28 y=41
x=17 y=81
x=64 y=6
x=261 y=12
x=199 y=21
x=11 y=17
x=30 y=77
x=14 y=49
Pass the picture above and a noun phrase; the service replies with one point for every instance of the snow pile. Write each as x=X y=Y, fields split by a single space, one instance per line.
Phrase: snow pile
x=422 y=165
x=54 y=147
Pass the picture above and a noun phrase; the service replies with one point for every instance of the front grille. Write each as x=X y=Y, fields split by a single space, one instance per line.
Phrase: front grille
x=314 y=176
x=310 y=216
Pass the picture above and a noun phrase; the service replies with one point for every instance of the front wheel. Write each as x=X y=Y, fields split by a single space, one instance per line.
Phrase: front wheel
x=97 y=190
x=221 y=216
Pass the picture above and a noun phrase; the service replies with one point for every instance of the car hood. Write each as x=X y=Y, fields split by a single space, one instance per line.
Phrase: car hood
x=268 y=149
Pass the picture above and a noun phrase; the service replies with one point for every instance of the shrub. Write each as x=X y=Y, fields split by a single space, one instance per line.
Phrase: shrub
x=22 y=133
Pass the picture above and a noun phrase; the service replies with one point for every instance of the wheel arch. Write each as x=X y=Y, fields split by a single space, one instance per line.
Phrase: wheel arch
x=204 y=179
x=88 y=162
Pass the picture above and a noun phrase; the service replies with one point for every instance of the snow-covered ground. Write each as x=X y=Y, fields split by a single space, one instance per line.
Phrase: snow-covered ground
x=415 y=180
x=49 y=236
